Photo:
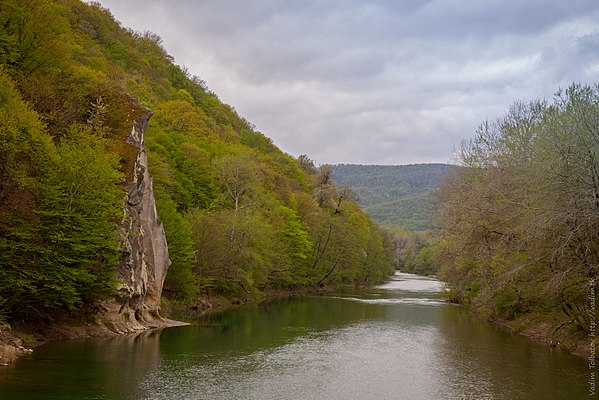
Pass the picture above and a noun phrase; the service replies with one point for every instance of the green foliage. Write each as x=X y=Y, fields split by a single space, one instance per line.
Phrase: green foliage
x=30 y=39
x=414 y=252
x=258 y=141
x=60 y=205
x=23 y=144
x=411 y=213
x=508 y=303
x=183 y=117
x=180 y=281
x=295 y=233
x=25 y=153
x=79 y=207
x=520 y=221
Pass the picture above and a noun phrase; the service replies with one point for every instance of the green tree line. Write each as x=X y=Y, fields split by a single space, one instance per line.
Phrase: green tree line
x=396 y=196
x=519 y=232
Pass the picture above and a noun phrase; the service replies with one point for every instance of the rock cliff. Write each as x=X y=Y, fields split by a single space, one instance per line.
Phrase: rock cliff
x=145 y=260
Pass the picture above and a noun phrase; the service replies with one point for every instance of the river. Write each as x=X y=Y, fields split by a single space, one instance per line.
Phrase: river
x=396 y=341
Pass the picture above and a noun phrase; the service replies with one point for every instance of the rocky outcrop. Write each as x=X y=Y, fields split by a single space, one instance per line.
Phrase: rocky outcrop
x=145 y=259
x=11 y=348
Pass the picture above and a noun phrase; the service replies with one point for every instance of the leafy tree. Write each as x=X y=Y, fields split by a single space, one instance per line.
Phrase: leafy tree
x=240 y=180
x=79 y=208
x=180 y=282
x=182 y=116
x=26 y=153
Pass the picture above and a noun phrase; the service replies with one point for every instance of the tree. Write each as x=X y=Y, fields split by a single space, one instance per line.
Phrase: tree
x=240 y=180
x=241 y=216
x=306 y=164
x=80 y=207
x=26 y=156
x=179 y=283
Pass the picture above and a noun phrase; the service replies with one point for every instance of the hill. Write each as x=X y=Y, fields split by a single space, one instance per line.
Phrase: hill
x=397 y=196
x=241 y=217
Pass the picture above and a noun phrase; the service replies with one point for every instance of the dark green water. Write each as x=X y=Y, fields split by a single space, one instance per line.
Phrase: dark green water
x=398 y=341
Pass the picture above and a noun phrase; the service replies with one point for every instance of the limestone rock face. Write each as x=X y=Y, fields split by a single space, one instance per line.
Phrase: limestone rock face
x=145 y=260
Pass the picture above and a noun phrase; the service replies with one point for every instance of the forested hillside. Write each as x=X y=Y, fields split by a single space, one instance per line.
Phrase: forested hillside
x=241 y=217
x=397 y=196
x=519 y=232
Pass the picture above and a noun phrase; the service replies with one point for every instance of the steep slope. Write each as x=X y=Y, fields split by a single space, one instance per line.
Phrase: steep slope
x=86 y=204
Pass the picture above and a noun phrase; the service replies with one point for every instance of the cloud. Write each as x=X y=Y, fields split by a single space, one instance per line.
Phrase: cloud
x=378 y=82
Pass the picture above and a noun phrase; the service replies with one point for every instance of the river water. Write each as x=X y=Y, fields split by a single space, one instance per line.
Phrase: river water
x=397 y=341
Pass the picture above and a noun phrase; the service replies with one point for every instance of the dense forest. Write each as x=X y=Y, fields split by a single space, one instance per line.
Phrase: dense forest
x=519 y=237
x=396 y=196
x=241 y=217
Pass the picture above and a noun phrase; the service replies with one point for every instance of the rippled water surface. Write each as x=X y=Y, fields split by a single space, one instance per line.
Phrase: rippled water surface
x=397 y=341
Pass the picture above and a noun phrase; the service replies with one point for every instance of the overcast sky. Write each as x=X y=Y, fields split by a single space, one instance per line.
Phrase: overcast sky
x=374 y=82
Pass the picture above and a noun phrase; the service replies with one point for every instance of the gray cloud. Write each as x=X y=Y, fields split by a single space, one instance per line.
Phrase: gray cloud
x=388 y=82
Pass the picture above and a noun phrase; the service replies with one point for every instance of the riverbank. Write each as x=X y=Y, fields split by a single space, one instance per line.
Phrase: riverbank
x=552 y=332
x=11 y=348
x=189 y=311
x=22 y=339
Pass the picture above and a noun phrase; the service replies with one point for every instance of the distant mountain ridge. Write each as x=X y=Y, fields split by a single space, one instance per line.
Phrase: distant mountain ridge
x=397 y=196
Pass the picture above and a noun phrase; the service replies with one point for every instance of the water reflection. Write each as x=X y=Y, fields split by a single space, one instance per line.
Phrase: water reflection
x=107 y=368
x=488 y=363
x=397 y=341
